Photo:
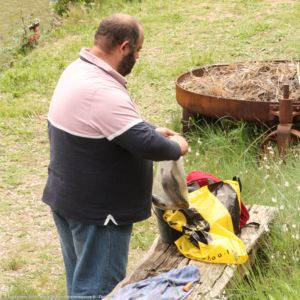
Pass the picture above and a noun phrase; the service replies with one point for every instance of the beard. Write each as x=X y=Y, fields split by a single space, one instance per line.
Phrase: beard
x=126 y=64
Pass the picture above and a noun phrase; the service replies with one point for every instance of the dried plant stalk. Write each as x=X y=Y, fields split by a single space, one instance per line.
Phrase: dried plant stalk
x=252 y=81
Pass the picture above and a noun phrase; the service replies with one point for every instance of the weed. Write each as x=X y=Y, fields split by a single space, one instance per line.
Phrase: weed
x=143 y=234
x=13 y=264
x=22 y=289
x=63 y=7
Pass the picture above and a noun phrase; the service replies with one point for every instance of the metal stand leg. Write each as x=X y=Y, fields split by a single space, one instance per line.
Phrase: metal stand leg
x=284 y=132
x=185 y=121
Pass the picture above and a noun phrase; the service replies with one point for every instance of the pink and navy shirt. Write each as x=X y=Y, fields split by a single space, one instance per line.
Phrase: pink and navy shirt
x=101 y=151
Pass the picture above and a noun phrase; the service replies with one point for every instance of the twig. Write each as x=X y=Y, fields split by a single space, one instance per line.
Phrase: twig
x=298 y=73
x=23 y=22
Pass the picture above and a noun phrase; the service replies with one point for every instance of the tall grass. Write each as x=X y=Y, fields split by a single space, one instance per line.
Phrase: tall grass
x=226 y=149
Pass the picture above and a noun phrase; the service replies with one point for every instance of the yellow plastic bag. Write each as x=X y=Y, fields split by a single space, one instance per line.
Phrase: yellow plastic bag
x=209 y=225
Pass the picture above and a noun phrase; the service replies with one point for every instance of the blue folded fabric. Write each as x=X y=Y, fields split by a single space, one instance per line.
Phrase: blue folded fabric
x=165 y=286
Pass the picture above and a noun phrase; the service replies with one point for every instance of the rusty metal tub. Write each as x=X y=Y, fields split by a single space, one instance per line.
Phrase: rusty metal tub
x=217 y=107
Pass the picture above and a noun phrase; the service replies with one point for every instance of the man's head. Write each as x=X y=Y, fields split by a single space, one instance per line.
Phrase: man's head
x=121 y=36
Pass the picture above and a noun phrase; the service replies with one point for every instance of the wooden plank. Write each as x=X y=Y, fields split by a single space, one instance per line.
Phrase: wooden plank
x=154 y=258
x=160 y=258
x=214 y=277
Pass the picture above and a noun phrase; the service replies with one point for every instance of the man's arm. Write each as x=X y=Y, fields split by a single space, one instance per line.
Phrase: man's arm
x=143 y=140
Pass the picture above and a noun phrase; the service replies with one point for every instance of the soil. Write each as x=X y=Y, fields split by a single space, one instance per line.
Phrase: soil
x=252 y=81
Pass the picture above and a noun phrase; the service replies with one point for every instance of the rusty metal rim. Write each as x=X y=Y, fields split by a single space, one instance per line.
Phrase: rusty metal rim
x=182 y=76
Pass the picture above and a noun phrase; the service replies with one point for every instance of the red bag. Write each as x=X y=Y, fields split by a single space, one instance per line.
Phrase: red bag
x=197 y=179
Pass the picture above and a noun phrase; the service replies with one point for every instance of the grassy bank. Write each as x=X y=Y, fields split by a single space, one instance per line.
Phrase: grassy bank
x=178 y=37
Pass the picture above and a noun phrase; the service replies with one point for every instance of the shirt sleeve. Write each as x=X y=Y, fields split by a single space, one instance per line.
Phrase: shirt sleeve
x=143 y=141
x=114 y=112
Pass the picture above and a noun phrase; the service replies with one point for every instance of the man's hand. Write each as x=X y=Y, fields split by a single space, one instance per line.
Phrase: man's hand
x=175 y=137
x=166 y=132
x=181 y=141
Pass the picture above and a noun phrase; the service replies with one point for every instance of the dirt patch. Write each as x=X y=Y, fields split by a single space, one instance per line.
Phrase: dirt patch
x=215 y=16
x=252 y=81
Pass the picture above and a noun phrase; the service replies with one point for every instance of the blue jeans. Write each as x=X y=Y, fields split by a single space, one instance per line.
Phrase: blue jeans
x=95 y=257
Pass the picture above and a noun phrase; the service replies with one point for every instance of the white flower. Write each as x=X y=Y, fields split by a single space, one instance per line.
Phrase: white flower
x=190 y=149
x=298 y=187
x=274 y=200
x=286 y=184
x=197 y=153
x=294 y=225
x=281 y=207
x=285 y=228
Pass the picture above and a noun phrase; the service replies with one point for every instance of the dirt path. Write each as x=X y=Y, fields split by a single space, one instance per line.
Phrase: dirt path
x=29 y=246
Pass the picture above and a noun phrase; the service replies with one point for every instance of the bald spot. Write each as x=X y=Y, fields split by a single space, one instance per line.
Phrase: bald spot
x=116 y=29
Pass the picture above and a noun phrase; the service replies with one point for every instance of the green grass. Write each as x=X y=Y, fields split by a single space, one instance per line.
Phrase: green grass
x=12 y=264
x=179 y=36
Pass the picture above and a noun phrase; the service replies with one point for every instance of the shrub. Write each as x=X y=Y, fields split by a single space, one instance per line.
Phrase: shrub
x=62 y=6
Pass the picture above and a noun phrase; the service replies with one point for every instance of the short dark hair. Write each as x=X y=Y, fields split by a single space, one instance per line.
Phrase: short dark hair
x=116 y=29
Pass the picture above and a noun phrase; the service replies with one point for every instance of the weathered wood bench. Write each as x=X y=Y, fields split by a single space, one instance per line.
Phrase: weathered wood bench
x=214 y=277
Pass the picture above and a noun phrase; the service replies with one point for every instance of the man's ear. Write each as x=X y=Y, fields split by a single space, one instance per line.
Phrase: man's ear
x=125 y=47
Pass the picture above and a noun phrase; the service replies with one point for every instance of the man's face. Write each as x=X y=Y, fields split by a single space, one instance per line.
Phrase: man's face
x=128 y=61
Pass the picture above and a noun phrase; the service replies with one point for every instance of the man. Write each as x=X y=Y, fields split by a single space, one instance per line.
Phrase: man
x=101 y=153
